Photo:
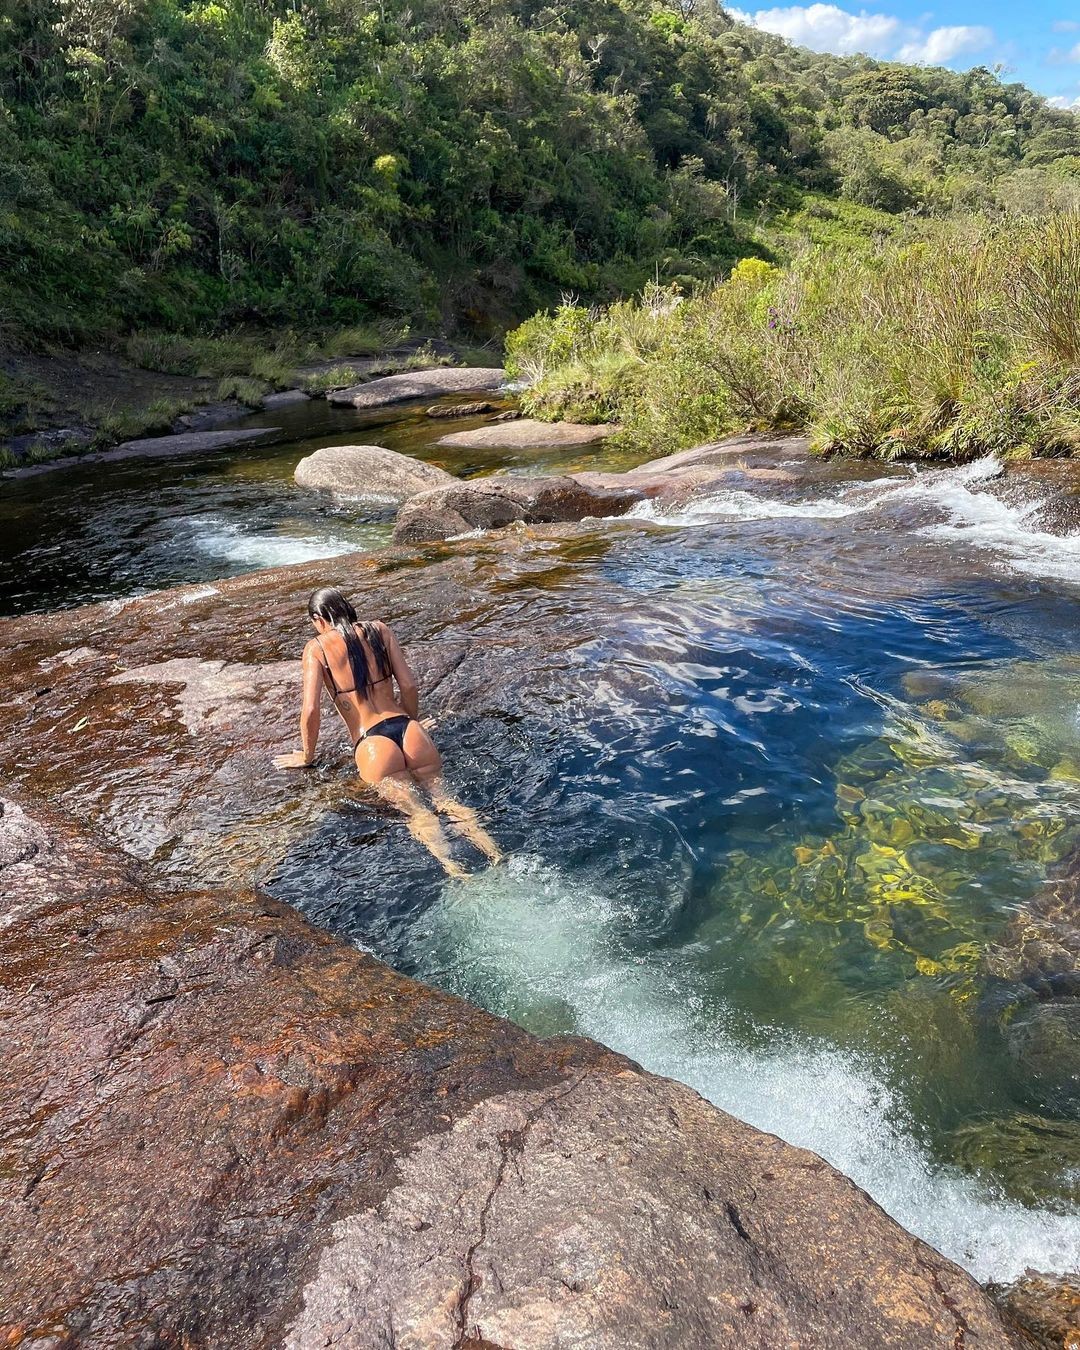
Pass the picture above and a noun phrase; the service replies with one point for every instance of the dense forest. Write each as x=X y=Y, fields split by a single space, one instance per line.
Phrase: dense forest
x=195 y=165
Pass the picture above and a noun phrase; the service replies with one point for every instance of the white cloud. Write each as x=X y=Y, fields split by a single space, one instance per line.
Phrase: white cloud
x=942 y=44
x=828 y=28
x=1063 y=101
x=1066 y=26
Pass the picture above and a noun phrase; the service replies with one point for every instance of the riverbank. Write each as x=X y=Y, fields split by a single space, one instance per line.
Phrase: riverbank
x=62 y=408
x=962 y=344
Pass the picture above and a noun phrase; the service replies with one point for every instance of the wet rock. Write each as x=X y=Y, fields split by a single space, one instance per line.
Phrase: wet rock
x=1047 y=1307
x=1044 y=1042
x=156 y=447
x=511 y=415
x=368 y=472
x=526 y=434
x=205 y=1093
x=489 y=503
x=285 y=399
x=417 y=384
x=459 y=409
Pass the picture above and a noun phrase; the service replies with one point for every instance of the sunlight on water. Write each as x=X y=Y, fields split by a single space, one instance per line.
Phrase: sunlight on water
x=530 y=943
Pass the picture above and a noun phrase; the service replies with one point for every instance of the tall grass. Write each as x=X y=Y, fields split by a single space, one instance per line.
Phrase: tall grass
x=964 y=342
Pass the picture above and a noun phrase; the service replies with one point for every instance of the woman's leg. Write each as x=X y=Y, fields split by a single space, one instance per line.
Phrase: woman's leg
x=464 y=817
x=425 y=765
x=382 y=766
x=423 y=824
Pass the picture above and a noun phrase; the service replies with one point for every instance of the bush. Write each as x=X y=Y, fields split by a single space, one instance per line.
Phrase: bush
x=966 y=342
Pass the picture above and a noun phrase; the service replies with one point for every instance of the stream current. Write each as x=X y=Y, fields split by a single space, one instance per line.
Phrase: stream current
x=795 y=764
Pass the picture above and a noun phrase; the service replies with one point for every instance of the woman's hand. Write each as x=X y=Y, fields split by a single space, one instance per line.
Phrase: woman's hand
x=295 y=759
x=428 y=722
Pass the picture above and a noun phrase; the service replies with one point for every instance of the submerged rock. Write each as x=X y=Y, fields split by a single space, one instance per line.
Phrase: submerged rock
x=368 y=472
x=1044 y=1042
x=488 y=503
x=418 y=384
x=231 y=1129
x=527 y=434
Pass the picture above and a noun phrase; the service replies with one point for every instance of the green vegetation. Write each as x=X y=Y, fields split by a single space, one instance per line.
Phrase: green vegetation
x=963 y=341
x=199 y=166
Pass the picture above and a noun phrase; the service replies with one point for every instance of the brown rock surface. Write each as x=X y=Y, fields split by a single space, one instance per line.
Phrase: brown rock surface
x=459 y=409
x=1047 y=1307
x=488 y=503
x=368 y=472
x=525 y=433
x=224 y=1128
x=418 y=384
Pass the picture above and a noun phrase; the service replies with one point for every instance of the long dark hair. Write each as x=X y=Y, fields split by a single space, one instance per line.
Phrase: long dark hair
x=329 y=604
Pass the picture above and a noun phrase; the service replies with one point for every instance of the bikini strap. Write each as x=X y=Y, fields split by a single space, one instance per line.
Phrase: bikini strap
x=326 y=666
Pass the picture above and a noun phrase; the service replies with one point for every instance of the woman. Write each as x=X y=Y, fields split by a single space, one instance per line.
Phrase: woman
x=357 y=664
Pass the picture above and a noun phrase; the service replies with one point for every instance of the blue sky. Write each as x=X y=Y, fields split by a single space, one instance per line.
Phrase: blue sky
x=1037 y=42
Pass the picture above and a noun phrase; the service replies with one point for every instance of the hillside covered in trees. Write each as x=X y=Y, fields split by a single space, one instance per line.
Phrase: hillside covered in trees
x=202 y=164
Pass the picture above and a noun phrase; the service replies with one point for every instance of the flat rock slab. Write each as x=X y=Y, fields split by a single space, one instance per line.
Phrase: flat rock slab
x=765 y=448
x=525 y=433
x=418 y=384
x=155 y=447
x=227 y=1128
x=368 y=473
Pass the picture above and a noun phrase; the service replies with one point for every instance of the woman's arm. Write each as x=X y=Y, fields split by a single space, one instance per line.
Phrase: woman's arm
x=310 y=714
x=408 y=690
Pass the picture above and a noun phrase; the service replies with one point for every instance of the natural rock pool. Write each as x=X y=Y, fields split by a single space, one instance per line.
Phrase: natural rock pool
x=780 y=776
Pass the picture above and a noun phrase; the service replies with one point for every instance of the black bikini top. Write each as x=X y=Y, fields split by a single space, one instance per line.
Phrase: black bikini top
x=335 y=692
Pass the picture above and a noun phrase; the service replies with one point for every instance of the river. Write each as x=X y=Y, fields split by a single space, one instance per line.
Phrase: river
x=795 y=762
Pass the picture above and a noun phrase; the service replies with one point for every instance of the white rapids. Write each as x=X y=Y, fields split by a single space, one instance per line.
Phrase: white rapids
x=528 y=942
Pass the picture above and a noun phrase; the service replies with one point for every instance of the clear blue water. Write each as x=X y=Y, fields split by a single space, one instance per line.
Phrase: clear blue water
x=775 y=776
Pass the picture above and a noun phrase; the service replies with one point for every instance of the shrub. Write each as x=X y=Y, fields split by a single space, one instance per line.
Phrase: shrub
x=965 y=342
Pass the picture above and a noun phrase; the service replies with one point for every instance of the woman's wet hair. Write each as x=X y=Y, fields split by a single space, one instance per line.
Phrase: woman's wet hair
x=329 y=604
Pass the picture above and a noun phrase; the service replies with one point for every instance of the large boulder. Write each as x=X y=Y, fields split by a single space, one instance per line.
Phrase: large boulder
x=368 y=473
x=488 y=503
x=418 y=384
x=224 y=1127
x=525 y=433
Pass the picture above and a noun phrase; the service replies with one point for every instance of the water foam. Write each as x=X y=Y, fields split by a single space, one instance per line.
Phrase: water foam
x=529 y=943
x=731 y=504
x=986 y=522
x=973 y=515
x=220 y=538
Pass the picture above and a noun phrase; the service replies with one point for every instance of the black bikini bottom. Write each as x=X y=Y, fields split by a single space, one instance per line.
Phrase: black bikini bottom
x=393 y=728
